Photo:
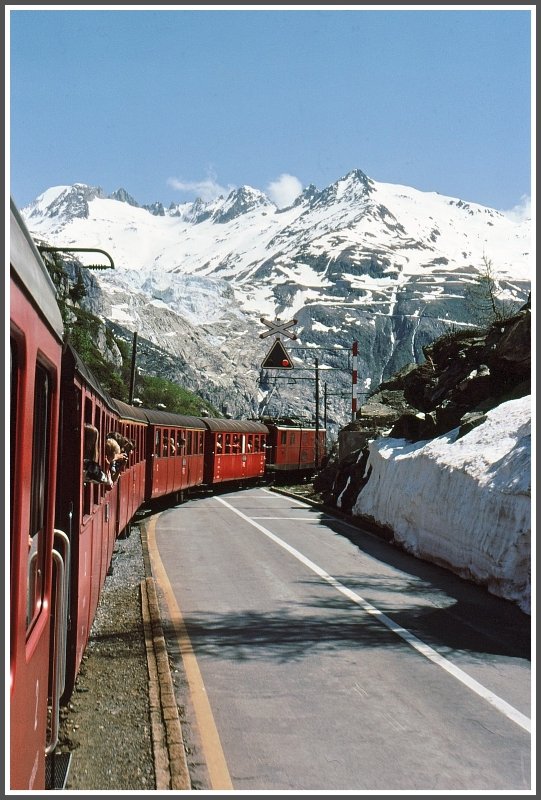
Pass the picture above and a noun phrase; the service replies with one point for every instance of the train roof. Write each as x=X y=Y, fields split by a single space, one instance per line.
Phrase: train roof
x=78 y=366
x=28 y=265
x=235 y=425
x=156 y=417
x=131 y=413
x=289 y=422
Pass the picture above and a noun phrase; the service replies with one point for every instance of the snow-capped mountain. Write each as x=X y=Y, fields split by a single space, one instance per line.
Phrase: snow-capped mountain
x=385 y=265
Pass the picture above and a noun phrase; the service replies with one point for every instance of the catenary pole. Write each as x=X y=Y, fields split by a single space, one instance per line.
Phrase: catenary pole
x=133 y=360
x=354 y=381
x=317 y=411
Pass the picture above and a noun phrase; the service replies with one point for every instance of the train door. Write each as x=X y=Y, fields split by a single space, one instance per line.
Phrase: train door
x=181 y=465
x=159 y=464
x=34 y=431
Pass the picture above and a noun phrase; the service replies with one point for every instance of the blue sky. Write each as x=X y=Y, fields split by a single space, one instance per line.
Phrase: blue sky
x=171 y=103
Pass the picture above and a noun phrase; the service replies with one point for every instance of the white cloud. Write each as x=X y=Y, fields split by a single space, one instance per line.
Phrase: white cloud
x=522 y=211
x=284 y=190
x=207 y=189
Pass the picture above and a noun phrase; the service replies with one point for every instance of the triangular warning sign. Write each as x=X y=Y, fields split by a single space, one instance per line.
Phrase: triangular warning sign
x=277 y=357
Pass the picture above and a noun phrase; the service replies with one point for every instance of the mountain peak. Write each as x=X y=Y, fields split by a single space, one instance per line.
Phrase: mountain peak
x=240 y=201
x=352 y=187
x=65 y=202
x=123 y=196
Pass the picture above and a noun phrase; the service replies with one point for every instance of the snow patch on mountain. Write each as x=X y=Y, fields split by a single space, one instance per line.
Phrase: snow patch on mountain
x=383 y=264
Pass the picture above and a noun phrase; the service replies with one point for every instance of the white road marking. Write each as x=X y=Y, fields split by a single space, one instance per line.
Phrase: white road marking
x=296 y=519
x=425 y=650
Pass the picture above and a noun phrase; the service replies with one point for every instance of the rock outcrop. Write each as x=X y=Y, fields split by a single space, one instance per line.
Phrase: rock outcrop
x=464 y=375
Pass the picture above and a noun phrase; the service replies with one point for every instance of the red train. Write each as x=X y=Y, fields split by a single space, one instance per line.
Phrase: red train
x=63 y=526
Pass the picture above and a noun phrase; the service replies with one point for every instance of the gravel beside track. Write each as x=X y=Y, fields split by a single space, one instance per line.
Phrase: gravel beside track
x=107 y=725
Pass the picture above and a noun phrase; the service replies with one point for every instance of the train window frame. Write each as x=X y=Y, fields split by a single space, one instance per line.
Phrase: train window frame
x=101 y=425
x=165 y=443
x=16 y=359
x=42 y=417
x=88 y=492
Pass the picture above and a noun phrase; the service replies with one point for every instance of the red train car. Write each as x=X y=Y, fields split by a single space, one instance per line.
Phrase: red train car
x=133 y=425
x=37 y=556
x=234 y=450
x=294 y=447
x=87 y=512
x=175 y=449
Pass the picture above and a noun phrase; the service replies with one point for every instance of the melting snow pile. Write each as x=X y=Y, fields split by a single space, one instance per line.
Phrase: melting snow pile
x=464 y=503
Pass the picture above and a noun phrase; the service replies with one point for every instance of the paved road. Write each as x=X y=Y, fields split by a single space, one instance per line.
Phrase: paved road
x=313 y=656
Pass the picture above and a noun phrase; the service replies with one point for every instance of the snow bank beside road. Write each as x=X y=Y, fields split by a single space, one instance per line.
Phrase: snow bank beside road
x=462 y=503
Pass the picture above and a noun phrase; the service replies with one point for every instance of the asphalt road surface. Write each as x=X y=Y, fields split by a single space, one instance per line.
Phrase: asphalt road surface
x=314 y=656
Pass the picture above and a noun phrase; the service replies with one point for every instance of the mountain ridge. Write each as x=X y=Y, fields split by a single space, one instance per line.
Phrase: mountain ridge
x=386 y=265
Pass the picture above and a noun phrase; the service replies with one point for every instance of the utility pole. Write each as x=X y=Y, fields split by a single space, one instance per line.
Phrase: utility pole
x=317 y=411
x=354 y=381
x=132 y=377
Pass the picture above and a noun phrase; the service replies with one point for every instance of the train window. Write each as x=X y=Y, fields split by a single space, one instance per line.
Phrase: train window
x=227 y=442
x=292 y=438
x=256 y=443
x=283 y=437
x=157 y=442
x=39 y=494
x=165 y=442
x=87 y=487
x=219 y=445
x=189 y=440
x=98 y=417
x=250 y=442
x=181 y=441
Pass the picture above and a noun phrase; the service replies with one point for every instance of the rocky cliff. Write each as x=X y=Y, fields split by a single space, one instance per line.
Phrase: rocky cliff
x=463 y=376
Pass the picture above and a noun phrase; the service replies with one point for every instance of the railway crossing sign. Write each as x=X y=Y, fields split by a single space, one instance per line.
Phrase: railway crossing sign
x=277 y=327
x=277 y=357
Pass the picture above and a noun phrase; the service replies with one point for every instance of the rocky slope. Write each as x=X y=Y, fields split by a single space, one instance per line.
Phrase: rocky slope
x=464 y=375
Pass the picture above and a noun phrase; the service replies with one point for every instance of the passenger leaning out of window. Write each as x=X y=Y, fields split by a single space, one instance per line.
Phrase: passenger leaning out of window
x=115 y=458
